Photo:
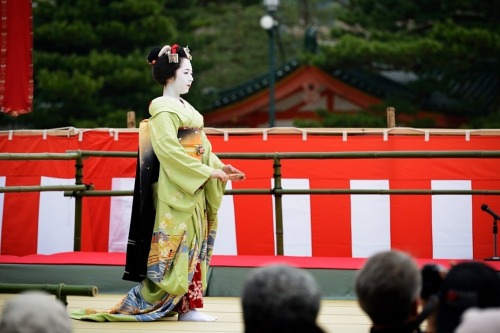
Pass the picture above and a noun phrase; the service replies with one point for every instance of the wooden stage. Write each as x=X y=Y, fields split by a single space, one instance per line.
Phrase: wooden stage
x=339 y=310
x=335 y=316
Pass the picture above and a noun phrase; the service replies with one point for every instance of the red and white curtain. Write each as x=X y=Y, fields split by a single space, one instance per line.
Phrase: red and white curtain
x=427 y=226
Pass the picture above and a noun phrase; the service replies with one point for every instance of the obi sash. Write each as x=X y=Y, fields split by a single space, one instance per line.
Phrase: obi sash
x=190 y=139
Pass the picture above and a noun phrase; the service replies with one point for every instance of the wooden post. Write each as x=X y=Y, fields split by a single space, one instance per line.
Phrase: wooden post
x=391 y=117
x=131 y=119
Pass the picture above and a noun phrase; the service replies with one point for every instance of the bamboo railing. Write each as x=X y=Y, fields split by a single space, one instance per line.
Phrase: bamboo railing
x=61 y=291
x=80 y=190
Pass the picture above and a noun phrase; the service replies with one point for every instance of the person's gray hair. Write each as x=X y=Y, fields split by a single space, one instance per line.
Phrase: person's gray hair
x=279 y=294
x=387 y=286
x=35 y=312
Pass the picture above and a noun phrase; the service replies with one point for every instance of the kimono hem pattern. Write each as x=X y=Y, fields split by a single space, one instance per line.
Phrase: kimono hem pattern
x=186 y=201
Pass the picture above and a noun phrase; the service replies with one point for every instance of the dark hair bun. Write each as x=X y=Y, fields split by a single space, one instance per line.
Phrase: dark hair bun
x=163 y=67
x=153 y=54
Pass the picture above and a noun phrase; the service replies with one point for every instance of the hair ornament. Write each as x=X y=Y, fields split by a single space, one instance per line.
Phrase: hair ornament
x=172 y=55
x=186 y=50
x=164 y=50
x=171 y=52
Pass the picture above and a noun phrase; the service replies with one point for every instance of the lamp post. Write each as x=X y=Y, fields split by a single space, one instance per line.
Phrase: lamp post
x=268 y=23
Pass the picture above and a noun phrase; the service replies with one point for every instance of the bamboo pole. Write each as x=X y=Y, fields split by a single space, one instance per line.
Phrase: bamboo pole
x=278 y=207
x=73 y=155
x=78 y=205
x=38 y=156
x=46 y=188
x=127 y=193
x=59 y=290
x=387 y=192
x=99 y=153
x=360 y=191
x=116 y=193
x=367 y=155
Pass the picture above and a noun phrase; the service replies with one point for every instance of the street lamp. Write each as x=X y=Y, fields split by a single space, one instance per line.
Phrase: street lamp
x=268 y=23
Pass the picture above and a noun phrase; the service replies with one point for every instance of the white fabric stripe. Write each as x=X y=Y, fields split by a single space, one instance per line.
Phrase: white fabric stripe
x=296 y=212
x=120 y=211
x=225 y=242
x=56 y=219
x=451 y=221
x=370 y=219
x=2 y=197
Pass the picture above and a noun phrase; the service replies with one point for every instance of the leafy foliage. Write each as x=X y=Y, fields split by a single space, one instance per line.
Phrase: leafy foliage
x=89 y=55
x=449 y=44
x=89 y=62
x=90 y=68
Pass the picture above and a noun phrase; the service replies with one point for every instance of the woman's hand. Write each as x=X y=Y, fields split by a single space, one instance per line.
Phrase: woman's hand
x=219 y=174
x=234 y=174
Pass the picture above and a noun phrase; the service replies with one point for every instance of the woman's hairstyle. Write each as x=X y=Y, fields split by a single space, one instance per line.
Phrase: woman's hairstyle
x=164 y=61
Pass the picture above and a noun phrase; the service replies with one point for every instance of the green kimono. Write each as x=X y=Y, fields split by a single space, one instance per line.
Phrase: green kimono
x=186 y=201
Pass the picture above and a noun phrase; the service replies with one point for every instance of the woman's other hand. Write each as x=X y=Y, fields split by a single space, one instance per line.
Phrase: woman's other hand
x=234 y=174
x=219 y=174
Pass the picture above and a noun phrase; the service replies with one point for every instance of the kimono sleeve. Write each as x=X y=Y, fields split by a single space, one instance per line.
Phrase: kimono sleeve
x=185 y=171
x=214 y=190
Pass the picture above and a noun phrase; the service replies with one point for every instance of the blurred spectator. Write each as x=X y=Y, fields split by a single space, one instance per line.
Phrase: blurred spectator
x=388 y=289
x=280 y=298
x=35 y=312
x=432 y=279
x=480 y=321
x=467 y=285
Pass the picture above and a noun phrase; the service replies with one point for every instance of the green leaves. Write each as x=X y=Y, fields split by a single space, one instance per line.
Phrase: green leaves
x=89 y=60
x=451 y=45
x=90 y=67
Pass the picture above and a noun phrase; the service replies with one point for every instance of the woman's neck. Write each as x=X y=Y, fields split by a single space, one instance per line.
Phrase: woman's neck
x=169 y=92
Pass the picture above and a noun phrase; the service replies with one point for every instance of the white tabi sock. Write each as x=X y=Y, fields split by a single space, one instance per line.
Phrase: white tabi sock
x=193 y=315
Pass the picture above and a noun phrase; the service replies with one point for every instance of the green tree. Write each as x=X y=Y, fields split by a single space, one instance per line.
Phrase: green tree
x=89 y=55
x=89 y=66
x=232 y=47
x=451 y=35
x=447 y=43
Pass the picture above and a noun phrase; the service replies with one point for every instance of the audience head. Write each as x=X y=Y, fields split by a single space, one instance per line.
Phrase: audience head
x=280 y=298
x=388 y=288
x=480 y=321
x=35 y=312
x=467 y=285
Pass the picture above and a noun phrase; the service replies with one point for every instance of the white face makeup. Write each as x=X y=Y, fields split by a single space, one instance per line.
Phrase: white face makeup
x=183 y=78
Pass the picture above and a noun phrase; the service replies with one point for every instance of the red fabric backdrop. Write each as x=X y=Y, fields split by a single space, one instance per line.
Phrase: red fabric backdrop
x=411 y=226
x=16 y=67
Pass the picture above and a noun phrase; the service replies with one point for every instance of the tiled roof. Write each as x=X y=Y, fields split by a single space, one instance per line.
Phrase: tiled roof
x=252 y=86
x=371 y=83
x=478 y=89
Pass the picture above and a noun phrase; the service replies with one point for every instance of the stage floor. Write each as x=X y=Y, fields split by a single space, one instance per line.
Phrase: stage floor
x=335 y=276
x=335 y=316
x=339 y=311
